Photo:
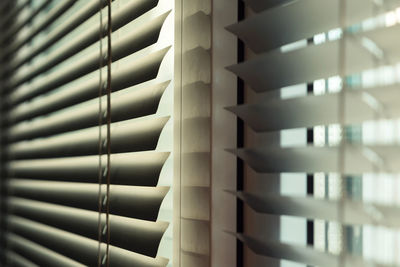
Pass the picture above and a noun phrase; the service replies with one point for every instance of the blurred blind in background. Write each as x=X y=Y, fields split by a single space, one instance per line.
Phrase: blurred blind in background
x=320 y=82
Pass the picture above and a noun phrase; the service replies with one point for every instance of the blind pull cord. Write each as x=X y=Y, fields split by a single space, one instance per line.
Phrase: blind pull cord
x=108 y=115
x=100 y=147
x=103 y=231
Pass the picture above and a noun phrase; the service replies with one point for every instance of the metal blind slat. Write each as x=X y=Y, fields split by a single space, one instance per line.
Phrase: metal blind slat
x=146 y=234
x=134 y=202
x=77 y=247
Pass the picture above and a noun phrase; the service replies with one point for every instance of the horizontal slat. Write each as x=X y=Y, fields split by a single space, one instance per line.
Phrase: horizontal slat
x=138 y=168
x=18 y=19
x=258 y=6
x=126 y=136
x=143 y=37
x=77 y=247
x=16 y=260
x=20 y=5
x=358 y=159
x=139 y=38
x=43 y=23
x=134 y=202
x=306 y=255
x=143 y=69
x=352 y=6
x=13 y=30
x=5 y=5
x=38 y=254
x=275 y=70
x=346 y=212
x=91 y=8
x=386 y=39
x=311 y=110
x=135 y=235
x=125 y=105
x=297 y=21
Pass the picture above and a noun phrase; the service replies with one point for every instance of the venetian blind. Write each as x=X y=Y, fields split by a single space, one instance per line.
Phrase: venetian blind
x=86 y=132
x=294 y=52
